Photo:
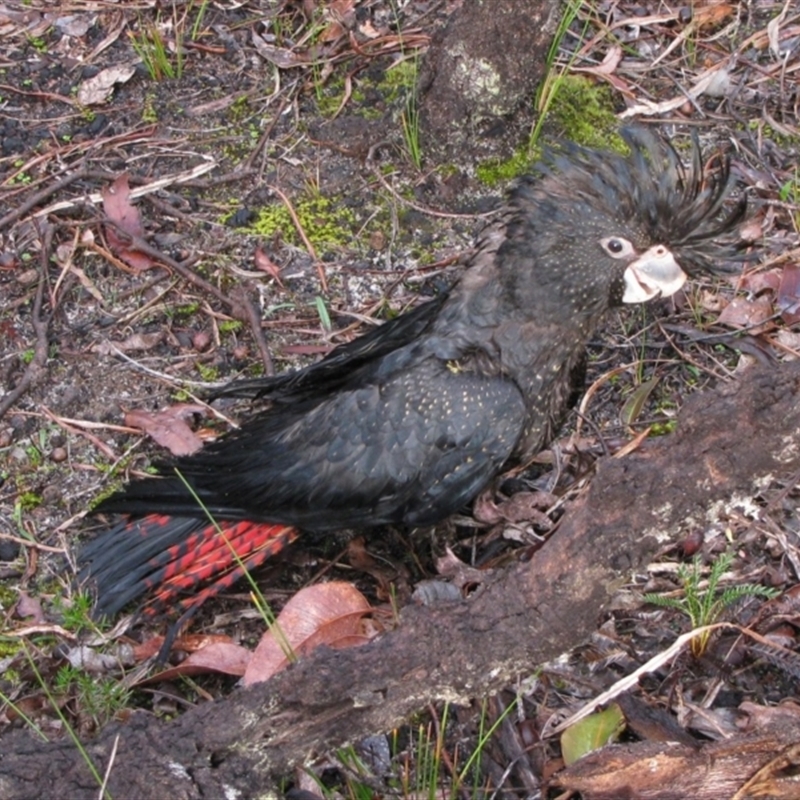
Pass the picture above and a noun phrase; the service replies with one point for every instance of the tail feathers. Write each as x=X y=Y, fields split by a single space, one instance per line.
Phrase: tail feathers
x=222 y=563
x=171 y=557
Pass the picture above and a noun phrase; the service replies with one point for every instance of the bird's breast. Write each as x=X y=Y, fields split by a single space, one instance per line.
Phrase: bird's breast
x=547 y=378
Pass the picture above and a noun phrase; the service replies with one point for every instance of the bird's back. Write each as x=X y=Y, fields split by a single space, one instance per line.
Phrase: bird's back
x=385 y=431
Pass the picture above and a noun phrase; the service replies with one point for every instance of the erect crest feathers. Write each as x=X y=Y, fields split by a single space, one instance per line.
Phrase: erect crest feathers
x=676 y=204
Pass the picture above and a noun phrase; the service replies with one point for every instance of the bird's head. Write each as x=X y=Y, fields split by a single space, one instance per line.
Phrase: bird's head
x=591 y=230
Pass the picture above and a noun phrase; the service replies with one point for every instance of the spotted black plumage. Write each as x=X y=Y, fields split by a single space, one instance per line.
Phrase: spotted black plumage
x=411 y=421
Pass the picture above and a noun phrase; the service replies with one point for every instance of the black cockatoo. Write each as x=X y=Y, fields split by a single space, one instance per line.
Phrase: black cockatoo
x=411 y=421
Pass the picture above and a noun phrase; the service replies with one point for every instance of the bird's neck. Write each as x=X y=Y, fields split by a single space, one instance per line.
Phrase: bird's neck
x=536 y=354
x=545 y=361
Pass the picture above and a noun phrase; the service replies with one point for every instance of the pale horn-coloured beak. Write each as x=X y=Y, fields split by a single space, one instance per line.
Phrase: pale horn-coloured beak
x=654 y=274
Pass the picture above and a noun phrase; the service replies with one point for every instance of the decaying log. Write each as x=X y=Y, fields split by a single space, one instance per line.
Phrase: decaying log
x=728 y=442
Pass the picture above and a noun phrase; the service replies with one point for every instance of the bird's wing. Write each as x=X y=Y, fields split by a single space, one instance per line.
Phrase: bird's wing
x=412 y=447
x=332 y=371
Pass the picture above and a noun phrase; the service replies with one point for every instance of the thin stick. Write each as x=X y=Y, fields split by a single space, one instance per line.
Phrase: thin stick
x=38 y=365
x=310 y=247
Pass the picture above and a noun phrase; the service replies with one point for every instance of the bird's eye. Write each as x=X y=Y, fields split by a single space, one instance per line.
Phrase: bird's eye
x=617 y=247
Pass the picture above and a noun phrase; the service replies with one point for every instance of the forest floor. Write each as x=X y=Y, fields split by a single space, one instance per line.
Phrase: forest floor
x=287 y=203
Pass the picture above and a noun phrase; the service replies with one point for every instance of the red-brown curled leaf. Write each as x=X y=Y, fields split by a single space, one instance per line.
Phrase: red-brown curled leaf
x=327 y=613
x=118 y=208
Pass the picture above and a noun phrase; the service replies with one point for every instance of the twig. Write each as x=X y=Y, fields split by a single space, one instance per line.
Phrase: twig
x=173 y=380
x=97 y=442
x=8 y=537
x=111 y=759
x=229 y=177
x=182 y=268
x=264 y=138
x=258 y=332
x=306 y=241
x=96 y=198
x=33 y=165
x=39 y=197
x=40 y=326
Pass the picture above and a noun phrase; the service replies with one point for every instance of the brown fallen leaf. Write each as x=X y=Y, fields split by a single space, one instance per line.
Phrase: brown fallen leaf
x=712 y=15
x=788 y=300
x=326 y=613
x=188 y=643
x=521 y=507
x=750 y=314
x=764 y=281
x=266 y=264
x=225 y=657
x=97 y=89
x=29 y=608
x=459 y=573
x=136 y=341
x=118 y=208
x=281 y=57
x=169 y=427
x=606 y=69
x=361 y=559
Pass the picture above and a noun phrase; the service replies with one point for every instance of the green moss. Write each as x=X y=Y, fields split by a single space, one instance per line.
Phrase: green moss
x=447 y=170
x=330 y=97
x=583 y=112
x=230 y=325
x=28 y=501
x=790 y=193
x=8 y=596
x=403 y=75
x=239 y=110
x=9 y=649
x=149 y=113
x=495 y=171
x=208 y=373
x=38 y=43
x=12 y=676
x=255 y=371
x=663 y=428
x=113 y=487
x=768 y=132
x=326 y=223
x=185 y=310
x=394 y=88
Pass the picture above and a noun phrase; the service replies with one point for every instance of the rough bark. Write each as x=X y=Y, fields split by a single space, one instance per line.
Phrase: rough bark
x=480 y=75
x=728 y=442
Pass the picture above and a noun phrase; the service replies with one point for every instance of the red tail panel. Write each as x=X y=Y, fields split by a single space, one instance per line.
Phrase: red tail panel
x=223 y=554
x=171 y=558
